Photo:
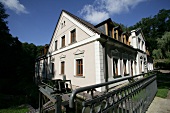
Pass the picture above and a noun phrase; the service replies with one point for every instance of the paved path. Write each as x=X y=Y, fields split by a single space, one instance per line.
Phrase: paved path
x=159 y=105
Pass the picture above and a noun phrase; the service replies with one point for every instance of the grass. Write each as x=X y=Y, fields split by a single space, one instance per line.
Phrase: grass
x=22 y=109
x=162 y=93
x=163 y=82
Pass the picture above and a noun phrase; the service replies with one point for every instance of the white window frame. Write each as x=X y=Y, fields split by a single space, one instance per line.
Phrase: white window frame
x=55 y=45
x=75 y=67
x=70 y=35
x=64 y=67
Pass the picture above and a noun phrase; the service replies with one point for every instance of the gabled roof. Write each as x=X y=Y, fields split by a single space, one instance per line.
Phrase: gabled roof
x=87 y=24
x=139 y=30
x=105 y=21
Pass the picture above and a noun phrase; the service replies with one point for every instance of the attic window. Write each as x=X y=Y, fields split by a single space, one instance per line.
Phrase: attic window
x=63 y=24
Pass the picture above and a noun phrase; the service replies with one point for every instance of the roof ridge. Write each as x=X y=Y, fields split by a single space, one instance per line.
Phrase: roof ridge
x=87 y=24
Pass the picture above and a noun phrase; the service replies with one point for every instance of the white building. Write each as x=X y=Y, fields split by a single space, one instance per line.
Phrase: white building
x=88 y=54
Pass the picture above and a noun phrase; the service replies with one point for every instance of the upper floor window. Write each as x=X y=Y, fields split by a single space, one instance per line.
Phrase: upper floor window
x=138 y=43
x=56 y=45
x=143 y=48
x=63 y=41
x=73 y=35
x=124 y=40
x=115 y=35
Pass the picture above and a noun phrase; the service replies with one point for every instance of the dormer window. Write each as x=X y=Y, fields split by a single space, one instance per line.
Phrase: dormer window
x=123 y=40
x=63 y=24
x=73 y=36
x=115 y=35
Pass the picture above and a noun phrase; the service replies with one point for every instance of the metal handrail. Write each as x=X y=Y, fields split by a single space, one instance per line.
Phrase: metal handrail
x=76 y=91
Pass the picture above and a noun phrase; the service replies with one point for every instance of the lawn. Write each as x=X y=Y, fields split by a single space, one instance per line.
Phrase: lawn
x=163 y=82
x=20 y=109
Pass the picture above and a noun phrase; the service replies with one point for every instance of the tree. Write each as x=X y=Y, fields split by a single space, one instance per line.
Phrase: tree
x=157 y=54
x=164 y=43
x=16 y=65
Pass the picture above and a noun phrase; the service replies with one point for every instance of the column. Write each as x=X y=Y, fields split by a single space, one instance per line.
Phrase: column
x=127 y=66
x=134 y=70
x=130 y=71
x=119 y=67
x=122 y=67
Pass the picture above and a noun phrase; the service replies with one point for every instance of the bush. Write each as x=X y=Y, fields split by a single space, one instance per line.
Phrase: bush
x=163 y=64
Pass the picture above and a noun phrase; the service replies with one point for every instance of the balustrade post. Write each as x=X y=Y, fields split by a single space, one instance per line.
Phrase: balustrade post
x=58 y=104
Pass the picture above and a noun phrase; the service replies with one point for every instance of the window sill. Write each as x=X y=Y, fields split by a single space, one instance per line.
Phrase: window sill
x=126 y=74
x=62 y=47
x=62 y=74
x=73 y=42
x=79 y=76
x=118 y=76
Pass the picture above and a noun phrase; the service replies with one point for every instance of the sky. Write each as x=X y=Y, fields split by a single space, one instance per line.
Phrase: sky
x=34 y=21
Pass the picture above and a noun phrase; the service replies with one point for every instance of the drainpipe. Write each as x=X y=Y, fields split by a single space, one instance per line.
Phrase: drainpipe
x=105 y=63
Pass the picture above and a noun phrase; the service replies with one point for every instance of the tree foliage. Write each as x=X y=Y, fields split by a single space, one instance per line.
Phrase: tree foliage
x=164 y=47
x=16 y=64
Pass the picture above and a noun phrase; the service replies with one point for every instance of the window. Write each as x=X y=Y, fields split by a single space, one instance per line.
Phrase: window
x=52 y=68
x=138 y=43
x=141 y=66
x=56 y=45
x=124 y=66
x=115 y=67
x=123 y=40
x=63 y=41
x=73 y=35
x=79 y=67
x=115 y=36
x=142 y=46
x=62 y=67
x=131 y=67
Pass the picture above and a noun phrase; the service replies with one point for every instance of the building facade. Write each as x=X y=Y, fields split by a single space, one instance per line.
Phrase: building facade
x=88 y=54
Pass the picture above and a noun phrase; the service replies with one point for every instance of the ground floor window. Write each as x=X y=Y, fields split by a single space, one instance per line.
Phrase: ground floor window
x=79 y=67
x=131 y=67
x=115 y=67
x=124 y=66
x=62 y=67
x=52 y=68
x=141 y=66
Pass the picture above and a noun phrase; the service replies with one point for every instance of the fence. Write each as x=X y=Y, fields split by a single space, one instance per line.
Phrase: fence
x=134 y=97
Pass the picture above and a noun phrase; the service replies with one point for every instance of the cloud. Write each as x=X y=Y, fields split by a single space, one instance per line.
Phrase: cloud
x=102 y=9
x=92 y=15
x=14 y=5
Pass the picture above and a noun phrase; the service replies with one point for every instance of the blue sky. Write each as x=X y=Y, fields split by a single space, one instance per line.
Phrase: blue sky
x=33 y=21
